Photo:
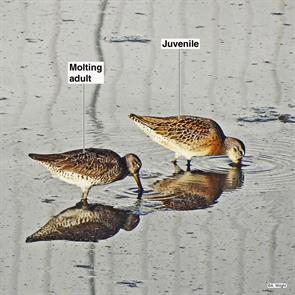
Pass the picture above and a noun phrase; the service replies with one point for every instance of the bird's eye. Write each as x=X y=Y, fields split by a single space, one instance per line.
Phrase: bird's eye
x=235 y=149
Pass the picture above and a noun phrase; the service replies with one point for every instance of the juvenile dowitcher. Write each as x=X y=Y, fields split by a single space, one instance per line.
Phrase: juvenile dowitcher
x=92 y=167
x=190 y=136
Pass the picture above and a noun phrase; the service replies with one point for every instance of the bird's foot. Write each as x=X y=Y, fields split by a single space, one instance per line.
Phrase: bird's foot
x=83 y=203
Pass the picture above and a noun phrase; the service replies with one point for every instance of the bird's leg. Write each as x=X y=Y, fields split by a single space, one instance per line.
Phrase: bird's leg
x=177 y=169
x=85 y=193
x=174 y=159
x=188 y=165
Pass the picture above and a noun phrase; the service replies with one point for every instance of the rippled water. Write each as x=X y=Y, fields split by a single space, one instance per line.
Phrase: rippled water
x=212 y=230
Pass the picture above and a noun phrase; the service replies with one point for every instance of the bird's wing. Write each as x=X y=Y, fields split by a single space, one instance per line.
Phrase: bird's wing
x=90 y=163
x=186 y=128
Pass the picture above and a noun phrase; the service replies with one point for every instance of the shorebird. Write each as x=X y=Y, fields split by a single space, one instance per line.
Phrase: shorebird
x=190 y=136
x=91 y=167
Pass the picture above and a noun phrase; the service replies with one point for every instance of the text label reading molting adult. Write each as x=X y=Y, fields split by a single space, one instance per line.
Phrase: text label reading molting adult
x=180 y=43
x=86 y=72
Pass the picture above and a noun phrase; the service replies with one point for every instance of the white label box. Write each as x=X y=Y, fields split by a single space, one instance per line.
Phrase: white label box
x=85 y=72
x=180 y=43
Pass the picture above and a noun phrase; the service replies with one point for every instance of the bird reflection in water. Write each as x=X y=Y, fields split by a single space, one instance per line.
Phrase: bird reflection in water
x=195 y=189
x=86 y=222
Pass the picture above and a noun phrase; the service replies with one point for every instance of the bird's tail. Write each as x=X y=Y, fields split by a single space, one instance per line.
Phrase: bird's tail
x=45 y=157
x=147 y=121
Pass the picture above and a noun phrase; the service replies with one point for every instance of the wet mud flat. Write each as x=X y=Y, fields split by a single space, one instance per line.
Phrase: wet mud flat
x=214 y=230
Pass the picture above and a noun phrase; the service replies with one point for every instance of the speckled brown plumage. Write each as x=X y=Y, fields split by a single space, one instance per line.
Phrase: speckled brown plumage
x=188 y=136
x=101 y=165
x=90 y=167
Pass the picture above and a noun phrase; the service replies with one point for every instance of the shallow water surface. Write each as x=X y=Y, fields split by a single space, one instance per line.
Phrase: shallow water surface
x=214 y=230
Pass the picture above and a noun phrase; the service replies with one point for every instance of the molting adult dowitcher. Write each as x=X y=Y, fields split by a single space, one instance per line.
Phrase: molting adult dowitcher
x=92 y=167
x=190 y=136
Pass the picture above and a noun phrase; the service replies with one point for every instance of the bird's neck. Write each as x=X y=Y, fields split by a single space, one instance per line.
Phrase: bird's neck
x=226 y=144
x=125 y=167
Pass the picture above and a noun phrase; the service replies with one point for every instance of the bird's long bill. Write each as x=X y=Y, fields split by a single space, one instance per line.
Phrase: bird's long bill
x=138 y=182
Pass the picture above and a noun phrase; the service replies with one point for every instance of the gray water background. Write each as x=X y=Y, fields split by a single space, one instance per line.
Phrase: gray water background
x=242 y=77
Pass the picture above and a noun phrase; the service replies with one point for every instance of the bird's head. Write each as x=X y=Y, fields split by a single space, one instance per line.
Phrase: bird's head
x=234 y=149
x=134 y=164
